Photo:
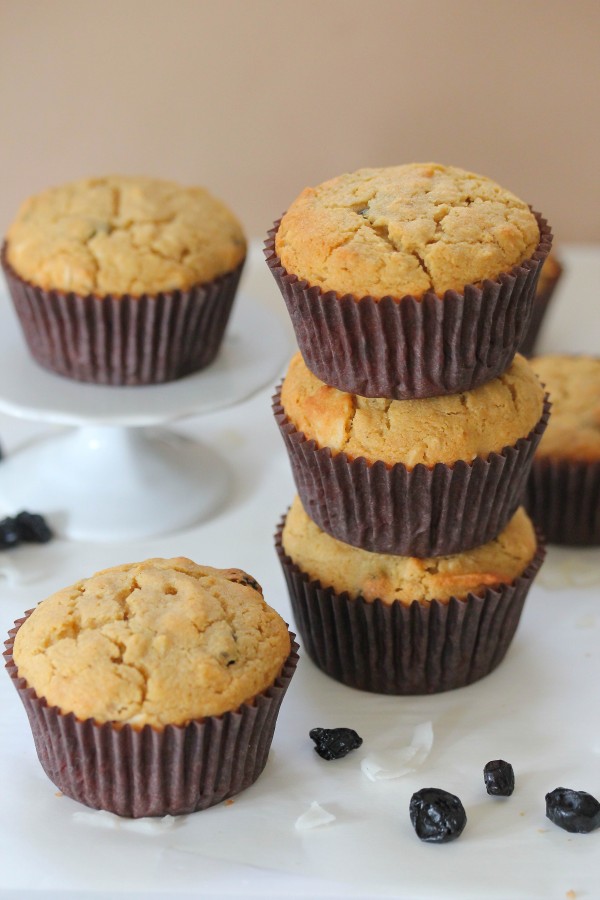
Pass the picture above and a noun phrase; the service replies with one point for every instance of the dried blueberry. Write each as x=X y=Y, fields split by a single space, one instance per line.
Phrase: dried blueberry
x=25 y=526
x=9 y=533
x=238 y=576
x=33 y=528
x=499 y=778
x=437 y=816
x=333 y=743
x=251 y=582
x=575 y=811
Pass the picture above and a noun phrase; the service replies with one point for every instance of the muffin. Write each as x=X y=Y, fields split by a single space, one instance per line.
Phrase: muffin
x=550 y=274
x=563 y=490
x=153 y=688
x=400 y=625
x=409 y=281
x=123 y=280
x=413 y=477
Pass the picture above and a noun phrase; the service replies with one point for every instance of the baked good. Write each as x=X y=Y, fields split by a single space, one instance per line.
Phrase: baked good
x=550 y=275
x=435 y=429
x=123 y=280
x=402 y=625
x=406 y=579
x=407 y=229
x=408 y=281
x=153 y=687
x=413 y=477
x=563 y=490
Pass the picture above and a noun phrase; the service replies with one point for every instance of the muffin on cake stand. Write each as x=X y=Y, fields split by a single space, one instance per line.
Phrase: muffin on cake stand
x=116 y=474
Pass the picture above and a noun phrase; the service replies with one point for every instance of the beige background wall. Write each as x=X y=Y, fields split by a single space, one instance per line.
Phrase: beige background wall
x=257 y=98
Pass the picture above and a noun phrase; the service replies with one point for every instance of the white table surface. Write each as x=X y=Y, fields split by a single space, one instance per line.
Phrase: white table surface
x=539 y=710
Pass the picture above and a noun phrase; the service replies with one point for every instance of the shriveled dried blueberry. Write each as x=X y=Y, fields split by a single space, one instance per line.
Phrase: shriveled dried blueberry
x=499 y=778
x=9 y=533
x=249 y=581
x=437 y=816
x=333 y=743
x=33 y=528
x=575 y=811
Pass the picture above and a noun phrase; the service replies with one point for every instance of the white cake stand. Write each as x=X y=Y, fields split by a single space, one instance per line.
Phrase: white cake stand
x=115 y=475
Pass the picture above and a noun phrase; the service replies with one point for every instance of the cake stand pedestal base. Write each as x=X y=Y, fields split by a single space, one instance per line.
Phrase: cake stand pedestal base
x=104 y=483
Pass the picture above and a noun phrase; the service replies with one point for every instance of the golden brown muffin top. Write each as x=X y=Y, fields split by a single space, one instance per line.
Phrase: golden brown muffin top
x=573 y=382
x=159 y=642
x=434 y=429
x=389 y=578
x=550 y=272
x=405 y=230
x=123 y=235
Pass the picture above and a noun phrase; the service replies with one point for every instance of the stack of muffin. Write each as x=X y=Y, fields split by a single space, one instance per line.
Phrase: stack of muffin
x=410 y=423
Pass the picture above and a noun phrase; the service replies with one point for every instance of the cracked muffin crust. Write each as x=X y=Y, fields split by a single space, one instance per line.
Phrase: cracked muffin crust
x=123 y=280
x=389 y=578
x=160 y=642
x=408 y=229
x=429 y=431
x=123 y=235
x=573 y=382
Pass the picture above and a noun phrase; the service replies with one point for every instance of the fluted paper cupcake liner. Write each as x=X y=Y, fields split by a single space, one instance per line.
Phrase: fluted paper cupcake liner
x=120 y=339
x=408 y=347
x=397 y=648
x=148 y=772
x=541 y=301
x=563 y=499
x=419 y=512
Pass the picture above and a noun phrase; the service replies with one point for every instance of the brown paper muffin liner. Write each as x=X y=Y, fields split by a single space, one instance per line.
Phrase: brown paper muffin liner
x=421 y=648
x=419 y=512
x=120 y=339
x=540 y=305
x=406 y=348
x=148 y=772
x=563 y=499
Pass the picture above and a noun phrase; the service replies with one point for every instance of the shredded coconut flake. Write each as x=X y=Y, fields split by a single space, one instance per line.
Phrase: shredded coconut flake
x=151 y=825
x=566 y=570
x=314 y=816
x=99 y=819
x=24 y=572
x=102 y=819
x=394 y=763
